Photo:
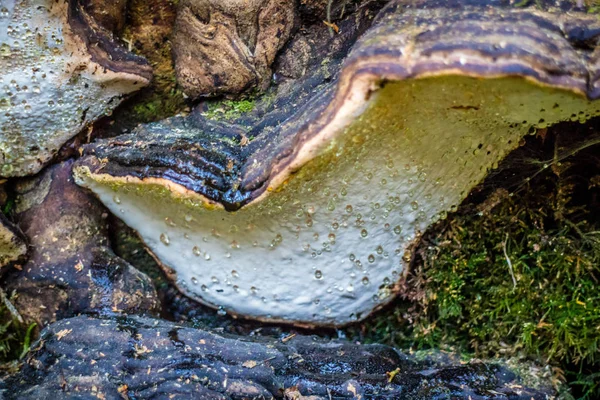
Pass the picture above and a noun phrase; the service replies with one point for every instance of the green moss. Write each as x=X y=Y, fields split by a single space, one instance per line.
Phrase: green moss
x=229 y=109
x=460 y=292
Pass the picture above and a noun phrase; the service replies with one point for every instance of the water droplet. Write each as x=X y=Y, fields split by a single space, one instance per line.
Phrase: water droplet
x=169 y=222
x=331 y=205
x=188 y=218
x=414 y=205
x=165 y=239
x=365 y=281
x=204 y=288
x=349 y=209
x=253 y=289
x=206 y=256
x=397 y=229
x=221 y=311
x=318 y=274
x=364 y=233
x=371 y=258
x=352 y=257
x=196 y=251
x=235 y=274
x=117 y=199
x=350 y=288
x=214 y=279
x=386 y=281
x=194 y=280
x=379 y=250
x=331 y=238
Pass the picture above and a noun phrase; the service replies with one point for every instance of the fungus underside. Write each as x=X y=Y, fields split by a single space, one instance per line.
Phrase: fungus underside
x=328 y=245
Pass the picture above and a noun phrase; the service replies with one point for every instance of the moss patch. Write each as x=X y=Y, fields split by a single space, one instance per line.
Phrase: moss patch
x=228 y=109
x=535 y=221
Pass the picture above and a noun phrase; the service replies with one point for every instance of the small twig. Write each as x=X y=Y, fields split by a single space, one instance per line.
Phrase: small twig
x=329 y=24
x=510 y=267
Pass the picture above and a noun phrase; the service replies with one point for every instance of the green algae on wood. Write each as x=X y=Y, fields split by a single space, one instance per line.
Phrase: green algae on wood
x=313 y=222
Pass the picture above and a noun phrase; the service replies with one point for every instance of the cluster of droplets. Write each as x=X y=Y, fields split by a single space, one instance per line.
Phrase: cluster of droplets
x=44 y=97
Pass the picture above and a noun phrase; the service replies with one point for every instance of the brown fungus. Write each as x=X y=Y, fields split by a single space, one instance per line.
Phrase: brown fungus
x=313 y=221
x=228 y=46
x=59 y=71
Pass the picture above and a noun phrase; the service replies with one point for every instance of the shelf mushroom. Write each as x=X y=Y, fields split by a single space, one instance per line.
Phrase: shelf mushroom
x=306 y=210
x=59 y=71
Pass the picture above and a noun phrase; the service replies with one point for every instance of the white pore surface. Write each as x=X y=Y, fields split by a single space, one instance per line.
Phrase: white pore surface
x=49 y=88
x=327 y=246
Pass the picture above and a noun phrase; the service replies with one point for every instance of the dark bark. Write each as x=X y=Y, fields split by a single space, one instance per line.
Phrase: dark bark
x=71 y=268
x=142 y=358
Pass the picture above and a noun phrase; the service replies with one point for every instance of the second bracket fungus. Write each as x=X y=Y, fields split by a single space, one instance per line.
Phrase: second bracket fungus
x=306 y=210
x=59 y=71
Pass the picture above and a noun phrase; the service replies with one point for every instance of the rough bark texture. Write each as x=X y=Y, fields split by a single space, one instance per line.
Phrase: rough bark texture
x=71 y=269
x=227 y=47
x=141 y=358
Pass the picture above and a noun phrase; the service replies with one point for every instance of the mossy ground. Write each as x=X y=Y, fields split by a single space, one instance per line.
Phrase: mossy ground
x=534 y=221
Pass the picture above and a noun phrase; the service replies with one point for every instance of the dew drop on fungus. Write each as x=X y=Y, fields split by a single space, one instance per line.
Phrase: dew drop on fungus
x=318 y=274
x=365 y=281
x=196 y=251
x=165 y=239
x=235 y=274
x=194 y=280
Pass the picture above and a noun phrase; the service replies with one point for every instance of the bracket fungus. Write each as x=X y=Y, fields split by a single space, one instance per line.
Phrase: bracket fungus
x=59 y=71
x=312 y=221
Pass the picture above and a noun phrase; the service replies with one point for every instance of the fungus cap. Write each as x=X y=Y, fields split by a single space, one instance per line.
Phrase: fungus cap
x=314 y=220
